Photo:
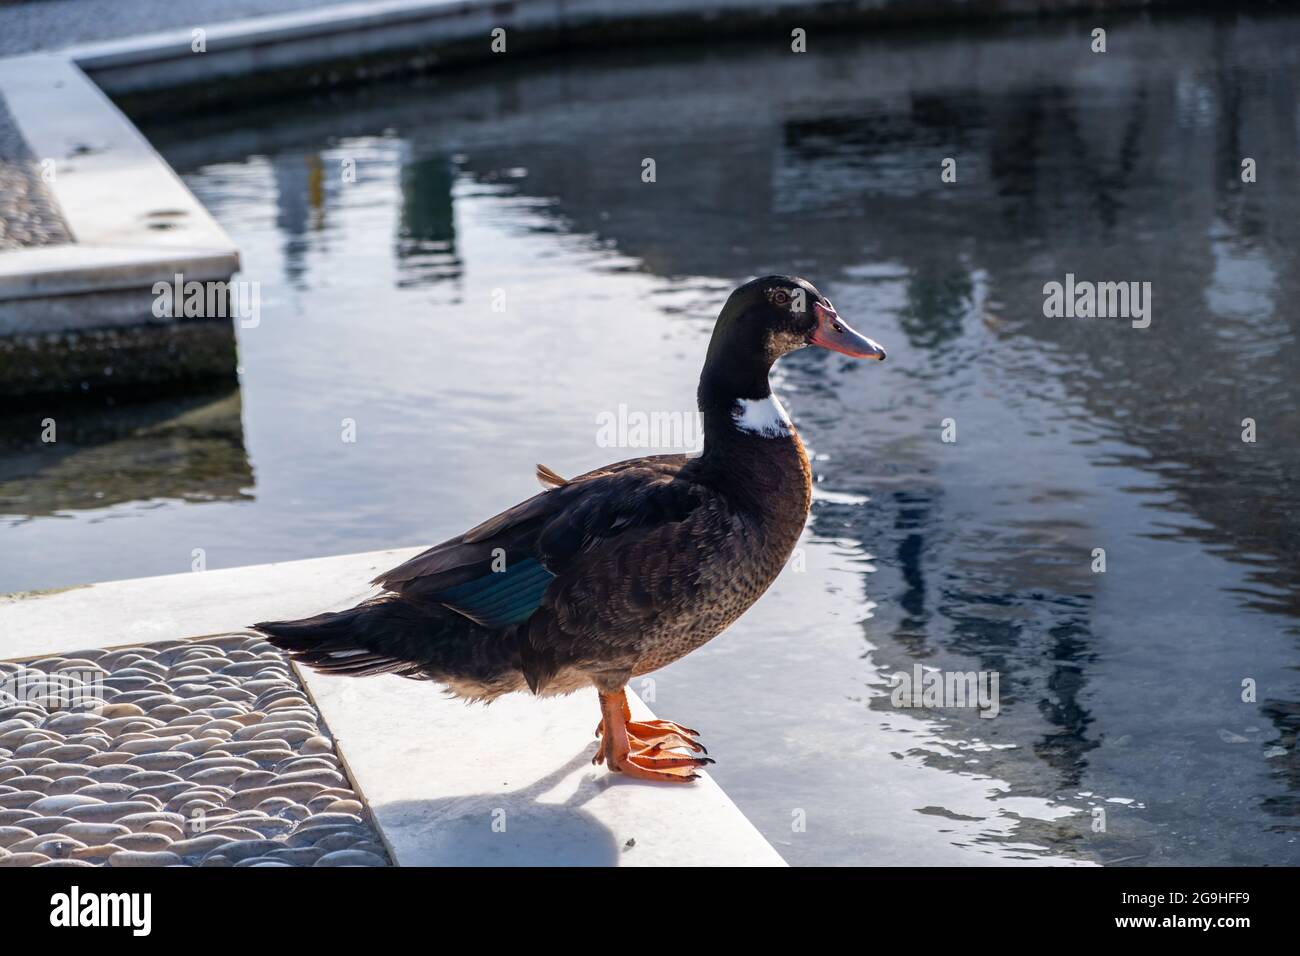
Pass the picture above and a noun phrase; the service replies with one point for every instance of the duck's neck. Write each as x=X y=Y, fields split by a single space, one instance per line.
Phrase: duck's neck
x=751 y=445
x=761 y=417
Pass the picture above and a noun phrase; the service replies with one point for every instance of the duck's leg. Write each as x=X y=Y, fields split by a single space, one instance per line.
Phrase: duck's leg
x=653 y=732
x=648 y=757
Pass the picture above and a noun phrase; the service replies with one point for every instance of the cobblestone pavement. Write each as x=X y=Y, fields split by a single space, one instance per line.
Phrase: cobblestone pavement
x=28 y=213
x=201 y=753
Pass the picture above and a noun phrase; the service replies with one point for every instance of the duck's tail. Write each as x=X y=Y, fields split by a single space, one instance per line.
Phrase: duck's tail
x=391 y=635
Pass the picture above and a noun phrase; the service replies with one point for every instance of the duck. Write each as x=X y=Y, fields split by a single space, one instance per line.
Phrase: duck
x=617 y=572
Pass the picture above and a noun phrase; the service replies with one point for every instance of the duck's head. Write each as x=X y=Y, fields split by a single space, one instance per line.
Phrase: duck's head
x=762 y=320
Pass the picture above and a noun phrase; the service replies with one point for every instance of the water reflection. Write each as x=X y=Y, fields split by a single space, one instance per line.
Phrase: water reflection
x=105 y=452
x=1121 y=692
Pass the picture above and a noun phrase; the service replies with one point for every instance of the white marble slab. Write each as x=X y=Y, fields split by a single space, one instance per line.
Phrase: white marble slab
x=449 y=783
x=132 y=219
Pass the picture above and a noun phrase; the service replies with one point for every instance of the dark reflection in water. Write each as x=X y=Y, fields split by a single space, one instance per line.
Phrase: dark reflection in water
x=1148 y=714
x=427 y=241
x=69 y=456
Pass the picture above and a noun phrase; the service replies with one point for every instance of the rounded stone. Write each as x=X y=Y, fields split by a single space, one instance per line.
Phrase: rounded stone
x=144 y=841
x=210 y=791
x=200 y=845
x=317 y=745
x=302 y=837
x=268 y=826
x=129 y=725
x=206 y=763
x=97 y=854
x=268 y=758
x=139 y=822
x=37 y=748
x=94 y=834
x=67 y=863
x=136 y=858
x=66 y=785
x=242 y=748
x=307 y=718
x=238 y=833
x=149 y=778
x=171 y=831
x=111 y=773
x=57 y=771
x=108 y=758
x=319 y=803
x=332 y=819
x=122 y=710
x=29 y=764
x=350 y=858
x=10 y=835
x=221 y=776
x=229 y=711
x=285 y=702
x=169 y=711
x=23 y=711
x=109 y=812
x=22 y=799
x=108 y=792
x=72 y=723
x=31 y=781
x=312 y=762
x=251 y=779
x=337 y=841
x=128 y=682
x=24 y=859
x=70 y=753
x=244 y=668
x=287 y=733
x=166 y=762
x=352 y=807
x=290 y=791
x=39 y=825
x=197 y=747
x=233 y=694
x=150 y=745
x=297 y=855
x=56 y=805
x=245 y=849
x=56 y=847
x=165 y=792
x=193 y=807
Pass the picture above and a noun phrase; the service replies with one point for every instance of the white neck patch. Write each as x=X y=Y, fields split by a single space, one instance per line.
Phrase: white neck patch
x=762 y=416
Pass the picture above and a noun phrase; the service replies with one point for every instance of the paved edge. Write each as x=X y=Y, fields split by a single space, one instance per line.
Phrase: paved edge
x=447 y=783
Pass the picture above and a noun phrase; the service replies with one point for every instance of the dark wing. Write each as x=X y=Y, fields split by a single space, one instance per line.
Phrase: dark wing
x=498 y=573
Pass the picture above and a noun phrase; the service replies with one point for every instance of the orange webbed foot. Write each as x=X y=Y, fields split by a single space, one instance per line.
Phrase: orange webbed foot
x=645 y=749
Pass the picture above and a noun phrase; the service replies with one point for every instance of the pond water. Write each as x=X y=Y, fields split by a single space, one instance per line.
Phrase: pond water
x=1122 y=736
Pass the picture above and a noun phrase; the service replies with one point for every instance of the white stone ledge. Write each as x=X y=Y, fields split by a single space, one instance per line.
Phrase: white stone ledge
x=132 y=219
x=448 y=783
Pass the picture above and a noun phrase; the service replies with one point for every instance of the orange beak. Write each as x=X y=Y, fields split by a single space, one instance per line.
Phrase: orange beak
x=832 y=333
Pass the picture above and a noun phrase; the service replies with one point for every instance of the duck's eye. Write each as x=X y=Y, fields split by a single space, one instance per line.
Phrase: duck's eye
x=781 y=297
